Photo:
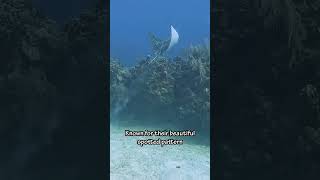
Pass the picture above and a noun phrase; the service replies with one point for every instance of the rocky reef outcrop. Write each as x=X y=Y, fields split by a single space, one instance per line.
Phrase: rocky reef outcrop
x=165 y=90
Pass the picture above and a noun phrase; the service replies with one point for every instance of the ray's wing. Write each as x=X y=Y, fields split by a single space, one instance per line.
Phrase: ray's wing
x=174 y=38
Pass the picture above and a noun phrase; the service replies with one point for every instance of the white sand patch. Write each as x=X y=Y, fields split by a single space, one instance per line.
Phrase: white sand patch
x=153 y=162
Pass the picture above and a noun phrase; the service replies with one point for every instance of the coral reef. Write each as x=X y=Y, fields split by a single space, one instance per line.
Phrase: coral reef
x=118 y=88
x=164 y=89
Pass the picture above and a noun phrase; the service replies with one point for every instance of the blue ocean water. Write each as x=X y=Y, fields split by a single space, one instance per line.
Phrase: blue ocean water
x=143 y=106
x=131 y=21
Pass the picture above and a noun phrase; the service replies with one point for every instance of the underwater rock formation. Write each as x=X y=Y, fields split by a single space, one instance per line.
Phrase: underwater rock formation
x=118 y=87
x=162 y=90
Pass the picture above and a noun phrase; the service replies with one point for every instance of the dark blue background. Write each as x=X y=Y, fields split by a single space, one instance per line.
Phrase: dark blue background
x=62 y=10
x=131 y=20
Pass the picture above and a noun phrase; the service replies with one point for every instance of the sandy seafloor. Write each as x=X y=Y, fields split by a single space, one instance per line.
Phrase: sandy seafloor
x=130 y=161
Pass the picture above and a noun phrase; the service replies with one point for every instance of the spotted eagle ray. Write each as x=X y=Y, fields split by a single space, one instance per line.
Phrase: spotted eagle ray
x=161 y=46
